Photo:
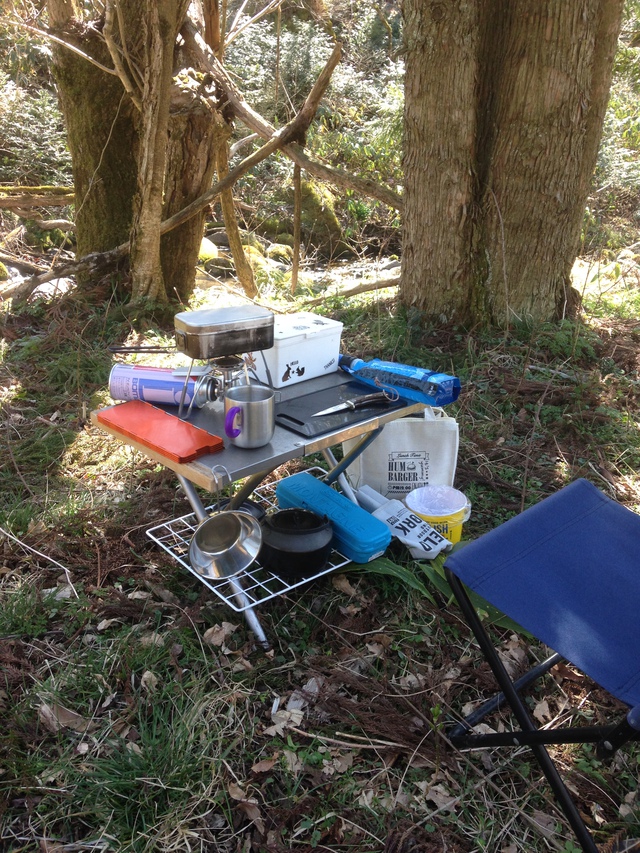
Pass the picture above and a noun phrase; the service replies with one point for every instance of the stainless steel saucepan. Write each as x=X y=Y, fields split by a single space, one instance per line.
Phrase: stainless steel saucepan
x=225 y=543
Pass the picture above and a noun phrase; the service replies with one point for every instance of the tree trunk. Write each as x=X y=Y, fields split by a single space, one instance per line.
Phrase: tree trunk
x=102 y=139
x=159 y=28
x=497 y=173
x=195 y=131
x=104 y=136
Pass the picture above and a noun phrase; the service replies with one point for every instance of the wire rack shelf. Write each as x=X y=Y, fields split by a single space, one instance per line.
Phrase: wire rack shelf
x=256 y=585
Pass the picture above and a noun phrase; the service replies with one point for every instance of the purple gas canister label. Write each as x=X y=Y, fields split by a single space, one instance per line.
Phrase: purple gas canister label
x=154 y=385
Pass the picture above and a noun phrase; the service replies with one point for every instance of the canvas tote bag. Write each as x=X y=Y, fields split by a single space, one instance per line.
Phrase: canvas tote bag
x=411 y=452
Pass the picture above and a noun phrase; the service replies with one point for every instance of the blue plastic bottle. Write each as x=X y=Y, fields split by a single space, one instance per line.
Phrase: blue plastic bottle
x=412 y=383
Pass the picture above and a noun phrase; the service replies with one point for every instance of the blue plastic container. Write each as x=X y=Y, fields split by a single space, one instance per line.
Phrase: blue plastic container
x=356 y=533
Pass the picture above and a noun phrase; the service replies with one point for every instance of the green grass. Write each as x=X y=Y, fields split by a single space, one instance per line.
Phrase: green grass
x=190 y=746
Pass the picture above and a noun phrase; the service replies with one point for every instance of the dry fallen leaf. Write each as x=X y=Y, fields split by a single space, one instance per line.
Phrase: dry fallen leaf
x=139 y=595
x=149 y=681
x=251 y=810
x=55 y=717
x=343 y=761
x=564 y=671
x=241 y=664
x=412 y=682
x=545 y=823
x=107 y=623
x=294 y=764
x=217 y=634
x=366 y=798
x=283 y=720
x=513 y=656
x=265 y=765
x=341 y=583
x=541 y=711
x=439 y=795
x=163 y=594
x=236 y=792
x=307 y=693
x=152 y=638
x=629 y=807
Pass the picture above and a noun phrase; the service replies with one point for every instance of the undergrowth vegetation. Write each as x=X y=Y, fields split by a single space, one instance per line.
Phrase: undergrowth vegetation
x=140 y=714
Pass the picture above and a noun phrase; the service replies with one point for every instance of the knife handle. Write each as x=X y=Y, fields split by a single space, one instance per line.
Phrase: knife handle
x=367 y=399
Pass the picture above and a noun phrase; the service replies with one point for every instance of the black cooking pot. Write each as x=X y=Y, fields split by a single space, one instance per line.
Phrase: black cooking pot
x=251 y=507
x=296 y=543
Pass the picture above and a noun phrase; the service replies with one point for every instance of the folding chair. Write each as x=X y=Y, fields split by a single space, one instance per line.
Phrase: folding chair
x=568 y=571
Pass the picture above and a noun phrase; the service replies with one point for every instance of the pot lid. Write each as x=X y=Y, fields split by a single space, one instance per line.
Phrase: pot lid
x=215 y=320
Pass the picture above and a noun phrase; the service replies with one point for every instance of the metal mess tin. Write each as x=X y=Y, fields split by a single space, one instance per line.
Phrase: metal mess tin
x=213 y=332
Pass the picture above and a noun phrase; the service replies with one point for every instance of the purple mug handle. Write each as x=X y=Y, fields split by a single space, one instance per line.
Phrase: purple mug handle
x=229 y=418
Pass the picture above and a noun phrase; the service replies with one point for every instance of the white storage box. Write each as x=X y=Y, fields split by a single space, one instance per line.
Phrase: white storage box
x=305 y=345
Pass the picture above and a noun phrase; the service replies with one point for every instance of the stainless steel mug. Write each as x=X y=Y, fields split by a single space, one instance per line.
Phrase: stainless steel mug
x=249 y=415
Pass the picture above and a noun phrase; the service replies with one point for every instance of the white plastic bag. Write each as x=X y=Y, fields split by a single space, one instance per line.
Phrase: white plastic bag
x=411 y=452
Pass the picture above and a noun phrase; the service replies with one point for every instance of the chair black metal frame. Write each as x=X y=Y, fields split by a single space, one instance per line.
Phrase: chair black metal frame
x=566 y=541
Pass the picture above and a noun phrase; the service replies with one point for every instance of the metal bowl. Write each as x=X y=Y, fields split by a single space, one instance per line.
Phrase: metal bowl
x=225 y=544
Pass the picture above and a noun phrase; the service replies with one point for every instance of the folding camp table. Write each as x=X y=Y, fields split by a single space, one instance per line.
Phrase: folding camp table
x=214 y=471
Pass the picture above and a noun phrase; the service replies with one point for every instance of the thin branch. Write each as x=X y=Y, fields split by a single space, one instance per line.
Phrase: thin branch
x=255 y=122
x=70 y=47
x=58 y=565
x=114 y=50
x=235 y=31
x=297 y=219
x=380 y=284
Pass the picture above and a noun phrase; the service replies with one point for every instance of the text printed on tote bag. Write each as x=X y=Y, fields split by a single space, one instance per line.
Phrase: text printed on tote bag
x=407 y=468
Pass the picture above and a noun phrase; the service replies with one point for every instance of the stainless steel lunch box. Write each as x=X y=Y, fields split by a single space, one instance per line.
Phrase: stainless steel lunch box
x=213 y=332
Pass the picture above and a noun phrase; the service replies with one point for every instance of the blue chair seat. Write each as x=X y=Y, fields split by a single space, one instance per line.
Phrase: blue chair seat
x=568 y=571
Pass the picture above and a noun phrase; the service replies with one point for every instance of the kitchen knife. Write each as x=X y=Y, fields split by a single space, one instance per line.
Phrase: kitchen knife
x=379 y=399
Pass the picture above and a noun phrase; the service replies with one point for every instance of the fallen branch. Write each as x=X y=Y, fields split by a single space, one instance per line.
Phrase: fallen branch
x=21 y=264
x=54 y=224
x=380 y=284
x=22 y=199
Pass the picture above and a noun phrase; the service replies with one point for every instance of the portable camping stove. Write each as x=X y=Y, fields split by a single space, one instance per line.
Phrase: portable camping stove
x=217 y=335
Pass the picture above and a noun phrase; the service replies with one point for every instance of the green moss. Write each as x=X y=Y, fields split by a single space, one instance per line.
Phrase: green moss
x=280 y=252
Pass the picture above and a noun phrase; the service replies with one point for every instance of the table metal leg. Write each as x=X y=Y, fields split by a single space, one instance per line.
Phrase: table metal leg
x=249 y=487
x=193 y=497
x=250 y=617
x=342 y=466
x=345 y=485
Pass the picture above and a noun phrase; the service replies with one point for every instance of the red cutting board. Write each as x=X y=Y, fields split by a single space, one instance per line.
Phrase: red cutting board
x=160 y=431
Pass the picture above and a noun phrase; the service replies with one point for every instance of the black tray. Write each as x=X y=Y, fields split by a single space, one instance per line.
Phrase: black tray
x=297 y=415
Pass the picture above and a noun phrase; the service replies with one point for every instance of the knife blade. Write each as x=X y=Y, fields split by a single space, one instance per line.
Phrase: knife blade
x=378 y=399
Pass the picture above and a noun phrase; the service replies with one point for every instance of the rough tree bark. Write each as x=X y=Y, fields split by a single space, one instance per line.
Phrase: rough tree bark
x=105 y=125
x=159 y=29
x=100 y=132
x=120 y=138
x=504 y=104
